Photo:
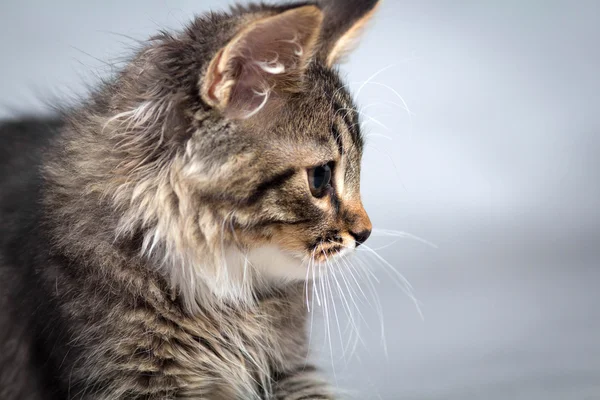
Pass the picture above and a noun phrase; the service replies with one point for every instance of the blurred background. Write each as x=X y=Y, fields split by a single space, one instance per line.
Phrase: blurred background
x=484 y=132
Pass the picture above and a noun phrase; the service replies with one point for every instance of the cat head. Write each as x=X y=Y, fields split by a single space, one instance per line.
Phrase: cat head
x=237 y=148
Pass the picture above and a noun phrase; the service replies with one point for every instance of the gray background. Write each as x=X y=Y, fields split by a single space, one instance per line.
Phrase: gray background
x=496 y=164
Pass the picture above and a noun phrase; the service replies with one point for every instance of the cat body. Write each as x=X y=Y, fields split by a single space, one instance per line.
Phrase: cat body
x=160 y=240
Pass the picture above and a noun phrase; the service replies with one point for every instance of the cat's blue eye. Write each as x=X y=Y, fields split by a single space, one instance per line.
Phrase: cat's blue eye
x=319 y=179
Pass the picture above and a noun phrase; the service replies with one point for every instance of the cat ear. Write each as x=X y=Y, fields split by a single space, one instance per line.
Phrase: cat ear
x=265 y=59
x=345 y=21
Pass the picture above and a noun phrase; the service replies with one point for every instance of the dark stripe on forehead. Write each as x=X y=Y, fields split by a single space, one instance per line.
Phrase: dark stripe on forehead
x=269 y=184
x=340 y=99
x=350 y=118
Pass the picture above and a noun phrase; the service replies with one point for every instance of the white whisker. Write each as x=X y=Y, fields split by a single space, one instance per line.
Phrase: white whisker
x=352 y=321
x=403 y=282
x=312 y=302
x=369 y=79
x=335 y=314
x=400 y=234
x=378 y=308
x=404 y=105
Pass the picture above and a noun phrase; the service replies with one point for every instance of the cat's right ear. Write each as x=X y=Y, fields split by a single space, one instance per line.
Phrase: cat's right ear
x=266 y=59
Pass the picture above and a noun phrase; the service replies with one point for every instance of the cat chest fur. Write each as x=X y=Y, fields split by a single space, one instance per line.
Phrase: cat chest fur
x=156 y=350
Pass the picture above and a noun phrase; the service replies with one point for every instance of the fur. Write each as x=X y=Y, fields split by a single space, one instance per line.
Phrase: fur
x=155 y=239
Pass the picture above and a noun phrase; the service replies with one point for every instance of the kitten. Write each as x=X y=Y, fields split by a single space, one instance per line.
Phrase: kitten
x=157 y=240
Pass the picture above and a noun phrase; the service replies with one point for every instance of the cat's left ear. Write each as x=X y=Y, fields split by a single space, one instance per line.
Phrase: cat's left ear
x=263 y=61
x=345 y=21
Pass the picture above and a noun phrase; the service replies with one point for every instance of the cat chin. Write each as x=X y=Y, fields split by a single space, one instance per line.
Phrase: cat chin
x=264 y=267
x=270 y=262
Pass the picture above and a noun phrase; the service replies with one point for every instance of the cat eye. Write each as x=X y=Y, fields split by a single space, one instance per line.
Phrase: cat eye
x=319 y=179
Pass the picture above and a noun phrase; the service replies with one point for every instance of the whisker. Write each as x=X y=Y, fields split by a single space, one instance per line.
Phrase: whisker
x=405 y=285
x=308 y=268
x=352 y=320
x=368 y=135
x=378 y=307
x=368 y=117
x=389 y=157
x=401 y=234
x=403 y=102
x=337 y=320
x=312 y=301
x=369 y=79
x=344 y=305
x=374 y=294
x=327 y=321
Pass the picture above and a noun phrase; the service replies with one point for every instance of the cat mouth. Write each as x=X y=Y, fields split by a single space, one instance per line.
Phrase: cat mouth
x=325 y=252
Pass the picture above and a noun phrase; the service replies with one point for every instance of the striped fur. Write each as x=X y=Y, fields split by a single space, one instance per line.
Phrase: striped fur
x=156 y=238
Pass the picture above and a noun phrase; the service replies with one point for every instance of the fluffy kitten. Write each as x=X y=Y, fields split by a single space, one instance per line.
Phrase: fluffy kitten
x=156 y=240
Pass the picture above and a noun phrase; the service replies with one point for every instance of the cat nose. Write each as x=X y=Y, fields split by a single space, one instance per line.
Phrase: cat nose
x=359 y=223
x=361 y=236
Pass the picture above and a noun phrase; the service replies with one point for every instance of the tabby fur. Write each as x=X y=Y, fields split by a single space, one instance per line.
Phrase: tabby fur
x=156 y=239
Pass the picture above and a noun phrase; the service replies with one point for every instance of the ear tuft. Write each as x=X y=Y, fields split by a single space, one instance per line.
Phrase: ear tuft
x=266 y=58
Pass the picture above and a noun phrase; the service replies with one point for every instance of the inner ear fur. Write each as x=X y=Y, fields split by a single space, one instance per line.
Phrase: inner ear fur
x=266 y=59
